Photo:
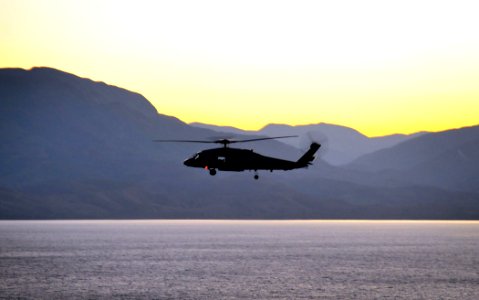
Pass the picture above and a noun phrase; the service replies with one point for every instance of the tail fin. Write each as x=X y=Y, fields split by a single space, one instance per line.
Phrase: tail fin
x=308 y=157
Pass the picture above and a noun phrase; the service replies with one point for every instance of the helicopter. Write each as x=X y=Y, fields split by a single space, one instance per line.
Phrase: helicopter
x=238 y=160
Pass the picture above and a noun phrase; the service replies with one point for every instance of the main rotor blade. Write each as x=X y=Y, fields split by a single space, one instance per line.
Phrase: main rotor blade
x=224 y=141
x=184 y=141
x=262 y=139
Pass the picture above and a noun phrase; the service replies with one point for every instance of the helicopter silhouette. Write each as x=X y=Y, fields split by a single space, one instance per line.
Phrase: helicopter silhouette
x=238 y=160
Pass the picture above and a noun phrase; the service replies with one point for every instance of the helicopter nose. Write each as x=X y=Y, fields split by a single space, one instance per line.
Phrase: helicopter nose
x=188 y=162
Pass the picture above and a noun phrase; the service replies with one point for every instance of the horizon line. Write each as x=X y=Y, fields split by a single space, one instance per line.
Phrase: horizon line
x=325 y=123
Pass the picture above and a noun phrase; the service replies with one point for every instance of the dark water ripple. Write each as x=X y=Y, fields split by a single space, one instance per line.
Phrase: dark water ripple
x=239 y=259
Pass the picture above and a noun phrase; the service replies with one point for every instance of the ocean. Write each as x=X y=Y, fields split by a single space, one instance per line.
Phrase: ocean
x=205 y=259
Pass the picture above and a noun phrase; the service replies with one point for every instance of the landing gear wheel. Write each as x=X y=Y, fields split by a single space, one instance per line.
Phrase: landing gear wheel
x=212 y=172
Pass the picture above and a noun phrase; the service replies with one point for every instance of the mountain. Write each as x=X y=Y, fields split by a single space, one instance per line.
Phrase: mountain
x=343 y=144
x=58 y=126
x=75 y=148
x=448 y=159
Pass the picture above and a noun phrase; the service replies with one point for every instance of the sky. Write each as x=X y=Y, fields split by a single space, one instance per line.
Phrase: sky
x=381 y=67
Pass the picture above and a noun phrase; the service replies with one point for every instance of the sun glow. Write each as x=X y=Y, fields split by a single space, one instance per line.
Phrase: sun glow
x=380 y=67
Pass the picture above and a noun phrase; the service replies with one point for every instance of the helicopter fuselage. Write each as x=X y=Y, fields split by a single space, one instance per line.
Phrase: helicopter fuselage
x=232 y=159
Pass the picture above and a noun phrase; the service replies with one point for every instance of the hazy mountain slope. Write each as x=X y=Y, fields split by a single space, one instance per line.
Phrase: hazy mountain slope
x=413 y=152
x=448 y=159
x=456 y=168
x=57 y=126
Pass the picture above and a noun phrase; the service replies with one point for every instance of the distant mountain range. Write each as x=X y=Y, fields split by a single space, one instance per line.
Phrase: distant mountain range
x=343 y=144
x=75 y=148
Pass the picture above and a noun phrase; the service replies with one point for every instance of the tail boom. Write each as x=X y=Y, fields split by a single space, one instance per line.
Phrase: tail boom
x=308 y=157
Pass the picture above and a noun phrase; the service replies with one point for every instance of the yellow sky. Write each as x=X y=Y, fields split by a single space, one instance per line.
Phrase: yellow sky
x=378 y=66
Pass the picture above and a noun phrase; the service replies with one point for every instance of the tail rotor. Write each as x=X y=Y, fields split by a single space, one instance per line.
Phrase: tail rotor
x=317 y=137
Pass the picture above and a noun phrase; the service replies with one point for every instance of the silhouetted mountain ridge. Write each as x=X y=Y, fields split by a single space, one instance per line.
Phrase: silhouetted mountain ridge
x=448 y=159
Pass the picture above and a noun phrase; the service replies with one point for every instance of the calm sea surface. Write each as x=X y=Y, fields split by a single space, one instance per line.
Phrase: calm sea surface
x=239 y=259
